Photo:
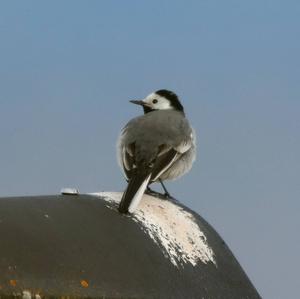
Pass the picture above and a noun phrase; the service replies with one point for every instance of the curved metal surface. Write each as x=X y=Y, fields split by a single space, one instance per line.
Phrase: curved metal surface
x=77 y=246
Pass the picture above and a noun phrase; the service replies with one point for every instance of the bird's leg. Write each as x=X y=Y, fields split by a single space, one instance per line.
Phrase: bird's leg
x=149 y=191
x=167 y=194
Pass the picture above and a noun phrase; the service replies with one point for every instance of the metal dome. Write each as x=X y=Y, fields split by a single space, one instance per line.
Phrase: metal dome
x=80 y=246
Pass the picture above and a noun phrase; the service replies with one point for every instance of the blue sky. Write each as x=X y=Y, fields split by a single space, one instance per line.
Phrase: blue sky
x=69 y=68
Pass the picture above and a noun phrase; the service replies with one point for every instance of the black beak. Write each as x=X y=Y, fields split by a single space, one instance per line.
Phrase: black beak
x=141 y=103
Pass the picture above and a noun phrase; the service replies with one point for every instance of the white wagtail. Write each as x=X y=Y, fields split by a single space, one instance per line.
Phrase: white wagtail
x=157 y=146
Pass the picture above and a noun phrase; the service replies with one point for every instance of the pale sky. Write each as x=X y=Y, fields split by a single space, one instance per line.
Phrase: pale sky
x=69 y=68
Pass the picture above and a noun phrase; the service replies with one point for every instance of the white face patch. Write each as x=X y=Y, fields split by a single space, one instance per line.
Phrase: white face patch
x=157 y=102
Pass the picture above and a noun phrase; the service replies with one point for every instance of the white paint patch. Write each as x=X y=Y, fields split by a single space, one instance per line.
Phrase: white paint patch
x=26 y=295
x=170 y=227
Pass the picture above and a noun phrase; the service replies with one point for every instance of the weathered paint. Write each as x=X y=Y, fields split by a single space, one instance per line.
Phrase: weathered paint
x=171 y=227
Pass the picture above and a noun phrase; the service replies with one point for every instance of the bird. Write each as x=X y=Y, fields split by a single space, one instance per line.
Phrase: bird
x=156 y=146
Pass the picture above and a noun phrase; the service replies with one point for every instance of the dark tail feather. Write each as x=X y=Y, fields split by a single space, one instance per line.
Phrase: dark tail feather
x=134 y=192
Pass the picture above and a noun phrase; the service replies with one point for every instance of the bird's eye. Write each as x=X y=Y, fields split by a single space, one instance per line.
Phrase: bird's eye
x=154 y=101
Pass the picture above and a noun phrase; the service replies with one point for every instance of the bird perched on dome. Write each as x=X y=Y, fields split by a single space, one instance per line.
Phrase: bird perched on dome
x=157 y=146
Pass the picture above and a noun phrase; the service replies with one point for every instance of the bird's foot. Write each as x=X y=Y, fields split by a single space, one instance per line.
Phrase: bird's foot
x=167 y=194
x=151 y=192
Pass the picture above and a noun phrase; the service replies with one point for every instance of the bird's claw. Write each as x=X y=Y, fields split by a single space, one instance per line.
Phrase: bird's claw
x=165 y=195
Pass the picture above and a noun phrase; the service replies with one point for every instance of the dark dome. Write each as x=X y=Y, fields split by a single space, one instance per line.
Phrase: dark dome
x=80 y=246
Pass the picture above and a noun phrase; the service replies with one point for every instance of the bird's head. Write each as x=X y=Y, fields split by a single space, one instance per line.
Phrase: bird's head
x=160 y=100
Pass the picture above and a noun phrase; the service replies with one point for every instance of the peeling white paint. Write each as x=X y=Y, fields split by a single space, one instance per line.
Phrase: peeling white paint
x=26 y=295
x=169 y=226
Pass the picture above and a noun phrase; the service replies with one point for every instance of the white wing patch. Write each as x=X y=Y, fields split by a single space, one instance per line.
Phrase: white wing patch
x=184 y=146
x=125 y=162
x=166 y=168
